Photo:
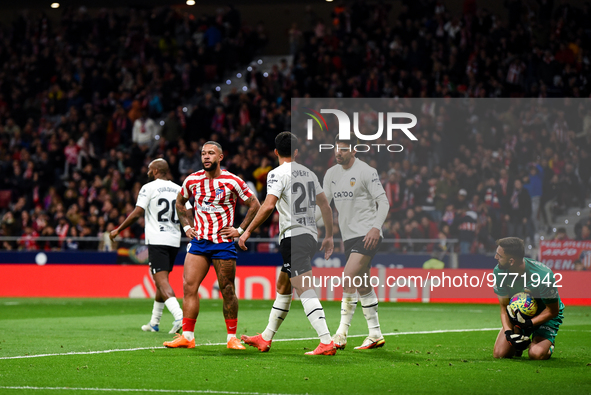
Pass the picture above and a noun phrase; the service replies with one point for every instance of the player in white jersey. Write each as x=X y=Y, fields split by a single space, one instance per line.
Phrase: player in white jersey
x=356 y=189
x=156 y=201
x=295 y=191
x=216 y=192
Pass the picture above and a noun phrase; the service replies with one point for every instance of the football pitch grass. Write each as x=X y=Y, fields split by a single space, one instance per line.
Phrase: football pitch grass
x=430 y=348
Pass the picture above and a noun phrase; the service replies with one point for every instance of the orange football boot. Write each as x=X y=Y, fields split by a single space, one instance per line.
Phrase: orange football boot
x=257 y=342
x=235 y=344
x=324 y=349
x=180 y=342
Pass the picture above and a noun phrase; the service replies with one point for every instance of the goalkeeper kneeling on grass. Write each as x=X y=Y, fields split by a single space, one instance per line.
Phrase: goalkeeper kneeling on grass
x=513 y=274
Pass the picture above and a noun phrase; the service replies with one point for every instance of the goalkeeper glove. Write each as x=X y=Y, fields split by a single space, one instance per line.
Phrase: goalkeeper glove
x=518 y=320
x=519 y=342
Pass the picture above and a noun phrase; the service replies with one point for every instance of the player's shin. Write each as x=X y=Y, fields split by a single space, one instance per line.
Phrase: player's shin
x=174 y=307
x=369 y=303
x=278 y=313
x=157 y=313
x=348 y=305
x=189 y=328
x=315 y=314
x=231 y=325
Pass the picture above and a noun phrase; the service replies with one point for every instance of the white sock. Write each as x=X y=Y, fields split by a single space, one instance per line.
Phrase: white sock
x=348 y=305
x=315 y=314
x=230 y=336
x=156 y=313
x=189 y=335
x=369 y=303
x=278 y=313
x=174 y=307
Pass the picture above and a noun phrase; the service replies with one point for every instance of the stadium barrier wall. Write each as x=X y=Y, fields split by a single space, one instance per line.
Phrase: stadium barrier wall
x=258 y=282
x=139 y=254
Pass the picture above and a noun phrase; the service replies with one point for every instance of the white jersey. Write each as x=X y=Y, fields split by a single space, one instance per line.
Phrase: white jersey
x=354 y=191
x=158 y=199
x=296 y=187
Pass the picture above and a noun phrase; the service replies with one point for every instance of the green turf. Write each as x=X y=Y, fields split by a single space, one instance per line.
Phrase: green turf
x=409 y=363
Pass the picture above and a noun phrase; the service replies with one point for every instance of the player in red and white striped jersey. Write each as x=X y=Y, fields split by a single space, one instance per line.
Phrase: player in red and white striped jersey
x=215 y=202
x=216 y=192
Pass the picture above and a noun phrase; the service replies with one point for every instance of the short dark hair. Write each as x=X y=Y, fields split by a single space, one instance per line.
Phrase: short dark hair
x=353 y=140
x=286 y=144
x=216 y=144
x=513 y=246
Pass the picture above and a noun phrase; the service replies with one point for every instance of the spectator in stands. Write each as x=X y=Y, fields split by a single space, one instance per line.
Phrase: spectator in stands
x=550 y=199
x=28 y=241
x=519 y=214
x=174 y=127
x=561 y=234
x=470 y=55
x=533 y=183
x=144 y=131
x=585 y=233
x=465 y=223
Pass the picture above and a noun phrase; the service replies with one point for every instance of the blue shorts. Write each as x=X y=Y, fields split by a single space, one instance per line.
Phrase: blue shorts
x=212 y=250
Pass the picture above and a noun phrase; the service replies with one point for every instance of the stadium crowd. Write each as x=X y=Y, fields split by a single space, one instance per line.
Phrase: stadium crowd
x=80 y=105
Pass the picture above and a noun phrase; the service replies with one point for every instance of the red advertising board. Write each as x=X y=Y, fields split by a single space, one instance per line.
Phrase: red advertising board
x=561 y=254
x=416 y=285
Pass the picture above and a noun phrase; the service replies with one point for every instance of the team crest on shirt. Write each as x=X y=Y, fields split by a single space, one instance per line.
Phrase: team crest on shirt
x=352 y=181
x=219 y=193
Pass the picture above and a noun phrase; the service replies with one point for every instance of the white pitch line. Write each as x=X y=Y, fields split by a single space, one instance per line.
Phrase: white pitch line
x=221 y=344
x=136 y=390
x=84 y=352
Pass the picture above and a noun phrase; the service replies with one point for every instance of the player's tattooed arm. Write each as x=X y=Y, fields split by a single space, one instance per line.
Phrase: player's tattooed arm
x=253 y=207
x=184 y=215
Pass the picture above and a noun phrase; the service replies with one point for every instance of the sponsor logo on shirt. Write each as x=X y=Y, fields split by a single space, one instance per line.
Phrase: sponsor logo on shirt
x=343 y=194
x=208 y=208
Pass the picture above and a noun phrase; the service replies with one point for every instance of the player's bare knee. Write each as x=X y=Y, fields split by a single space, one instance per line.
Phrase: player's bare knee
x=500 y=353
x=284 y=288
x=164 y=286
x=190 y=287
x=503 y=350
x=166 y=291
x=363 y=290
x=538 y=353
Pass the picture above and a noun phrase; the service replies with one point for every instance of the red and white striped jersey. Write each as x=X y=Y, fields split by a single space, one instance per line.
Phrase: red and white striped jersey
x=215 y=202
